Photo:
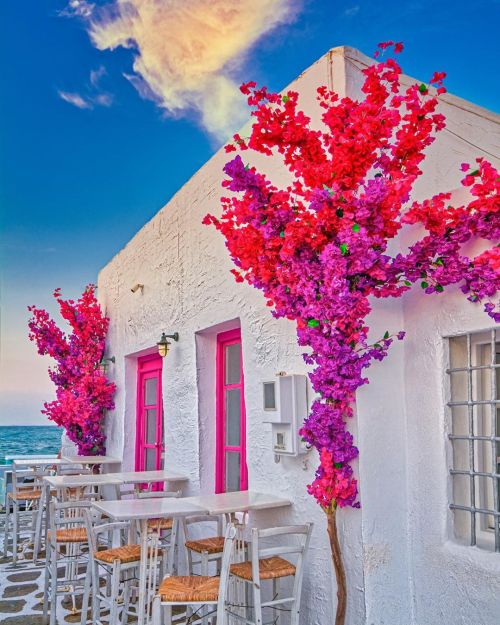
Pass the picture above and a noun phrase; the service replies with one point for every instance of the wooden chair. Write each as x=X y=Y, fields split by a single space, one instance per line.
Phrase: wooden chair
x=118 y=564
x=25 y=496
x=66 y=551
x=196 y=591
x=266 y=564
x=201 y=551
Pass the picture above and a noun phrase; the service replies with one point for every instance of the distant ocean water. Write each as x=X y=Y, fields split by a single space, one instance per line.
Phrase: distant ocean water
x=29 y=440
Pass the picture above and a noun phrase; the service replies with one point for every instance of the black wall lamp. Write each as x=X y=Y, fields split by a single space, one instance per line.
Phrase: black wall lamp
x=164 y=344
x=104 y=364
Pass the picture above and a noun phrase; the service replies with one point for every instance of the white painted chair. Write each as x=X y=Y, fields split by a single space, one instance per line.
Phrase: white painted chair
x=117 y=564
x=65 y=551
x=166 y=528
x=266 y=564
x=24 y=501
x=202 y=551
x=196 y=592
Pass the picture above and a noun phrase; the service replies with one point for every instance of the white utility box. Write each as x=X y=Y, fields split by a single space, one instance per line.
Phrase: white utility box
x=288 y=397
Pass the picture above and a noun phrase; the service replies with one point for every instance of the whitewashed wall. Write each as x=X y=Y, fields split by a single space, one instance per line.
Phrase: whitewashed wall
x=402 y=567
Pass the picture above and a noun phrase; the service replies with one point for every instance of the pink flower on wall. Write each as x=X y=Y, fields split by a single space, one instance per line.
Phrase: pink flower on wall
x=83 y=393
x=318 y=248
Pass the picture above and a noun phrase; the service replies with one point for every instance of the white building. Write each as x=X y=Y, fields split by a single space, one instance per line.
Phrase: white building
x=408 y=556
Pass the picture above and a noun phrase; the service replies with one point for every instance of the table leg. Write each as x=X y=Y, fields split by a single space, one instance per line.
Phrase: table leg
x=141 y=609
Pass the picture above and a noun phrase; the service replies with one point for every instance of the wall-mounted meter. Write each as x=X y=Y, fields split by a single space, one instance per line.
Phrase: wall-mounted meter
x=288 y=397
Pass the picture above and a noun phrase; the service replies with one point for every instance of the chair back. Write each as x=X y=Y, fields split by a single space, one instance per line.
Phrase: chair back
x=229 y=541
x=101 y=533
x=24 y=479
x=196 y=522
x=299 y=547
x=67 y=515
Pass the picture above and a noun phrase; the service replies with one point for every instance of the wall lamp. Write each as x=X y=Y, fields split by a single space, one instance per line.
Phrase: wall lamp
x=164 y=344
x=104 y=364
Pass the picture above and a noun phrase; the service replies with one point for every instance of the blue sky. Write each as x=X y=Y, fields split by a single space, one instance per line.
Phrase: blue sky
x=76 y=182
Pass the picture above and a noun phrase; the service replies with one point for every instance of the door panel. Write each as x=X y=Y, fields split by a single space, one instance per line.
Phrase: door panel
x=231 y=468
x=149 y=432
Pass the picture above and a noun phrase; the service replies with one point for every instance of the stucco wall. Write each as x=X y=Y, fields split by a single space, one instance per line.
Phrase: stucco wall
x=400 y=567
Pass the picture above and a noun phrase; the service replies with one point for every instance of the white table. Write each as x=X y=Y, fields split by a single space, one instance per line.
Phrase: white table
x=149 y=477
x=140 y=510
x=92 y=460
x=241 y=501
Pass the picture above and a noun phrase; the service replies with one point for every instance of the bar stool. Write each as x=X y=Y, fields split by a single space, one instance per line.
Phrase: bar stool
x=66 y=542
x=266 y=564
x=26 y=493
x=196 y=591
x=119 y=566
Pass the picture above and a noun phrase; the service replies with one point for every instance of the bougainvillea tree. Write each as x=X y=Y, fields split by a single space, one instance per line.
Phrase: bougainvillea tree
x=318 y=247
x=83 y=393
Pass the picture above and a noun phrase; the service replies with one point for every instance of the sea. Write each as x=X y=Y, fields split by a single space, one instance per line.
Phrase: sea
x=28 y=440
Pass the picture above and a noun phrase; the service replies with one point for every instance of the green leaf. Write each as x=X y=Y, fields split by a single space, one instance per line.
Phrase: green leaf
x=282 y=234
x=474 y=173
x=337 y=465
x=377 y=345
x=285 y=98
x=424 y=284
x=339 y=212
x=439 y=288
x=439 y=261
x=408 y=283
x=386 y=335
x=356 y=228
x=263 y=221
x=423 y=88
x=247 y=167
x=378 y=175
x=344 y=249
x=352 y=344
x=313 y=323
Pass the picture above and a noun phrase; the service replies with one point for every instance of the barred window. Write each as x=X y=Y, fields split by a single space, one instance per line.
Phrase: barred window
x=474 y=408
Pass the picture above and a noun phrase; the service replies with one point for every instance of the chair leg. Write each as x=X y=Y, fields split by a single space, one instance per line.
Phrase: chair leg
x=15 y=528
x=126 y=602
x=276 y=592
x=47 y=582
x=204 y=571
x=6 y=528
x=156 y=611
x=257 y=606
x=168 y=615
x=86 y=594
x=115 y=589
x=96 y=601
x=53 y=586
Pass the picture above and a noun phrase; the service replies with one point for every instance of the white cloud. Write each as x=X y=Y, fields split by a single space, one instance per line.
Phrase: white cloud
x=78 y=8
x=93 y=95
x=76 y=99
x=187 y=52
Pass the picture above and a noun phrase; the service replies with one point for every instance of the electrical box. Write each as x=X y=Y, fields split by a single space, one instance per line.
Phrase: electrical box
x=288 y=397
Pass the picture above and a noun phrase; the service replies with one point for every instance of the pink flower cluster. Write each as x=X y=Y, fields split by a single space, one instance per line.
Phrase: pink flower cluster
x=83 y=393
x=318 y=248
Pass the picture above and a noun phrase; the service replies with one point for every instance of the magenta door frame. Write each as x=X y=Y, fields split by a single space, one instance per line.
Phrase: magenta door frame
x=148 y=367
x=223 y=340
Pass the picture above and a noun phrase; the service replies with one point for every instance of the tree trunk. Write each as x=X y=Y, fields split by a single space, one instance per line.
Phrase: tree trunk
x=338 y=565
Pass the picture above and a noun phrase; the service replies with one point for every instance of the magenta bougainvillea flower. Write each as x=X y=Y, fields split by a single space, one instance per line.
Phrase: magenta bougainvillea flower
x=83 y=393
x=318 y=248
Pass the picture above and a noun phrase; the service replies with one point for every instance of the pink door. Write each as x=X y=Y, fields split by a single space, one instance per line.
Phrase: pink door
x=231 y=466
x=149 y=434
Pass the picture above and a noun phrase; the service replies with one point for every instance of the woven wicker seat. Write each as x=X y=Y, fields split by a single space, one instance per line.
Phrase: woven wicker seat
x=160 y=524
x=269 y=568
x=126 y=554
x=25 y=495
x=215 y=544
x=71 y=535
x=189 y=589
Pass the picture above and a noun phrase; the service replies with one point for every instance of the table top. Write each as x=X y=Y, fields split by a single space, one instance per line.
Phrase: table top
x=92 y=459
x=136 y=509
x=147 y=477
x=72 y=481
x=241 y=501
x=39 y=462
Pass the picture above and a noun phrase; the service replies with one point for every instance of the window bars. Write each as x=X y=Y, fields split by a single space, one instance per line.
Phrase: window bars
x=474 y=406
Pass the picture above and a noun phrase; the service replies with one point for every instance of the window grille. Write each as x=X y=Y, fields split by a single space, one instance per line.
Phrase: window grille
x=474 y=407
